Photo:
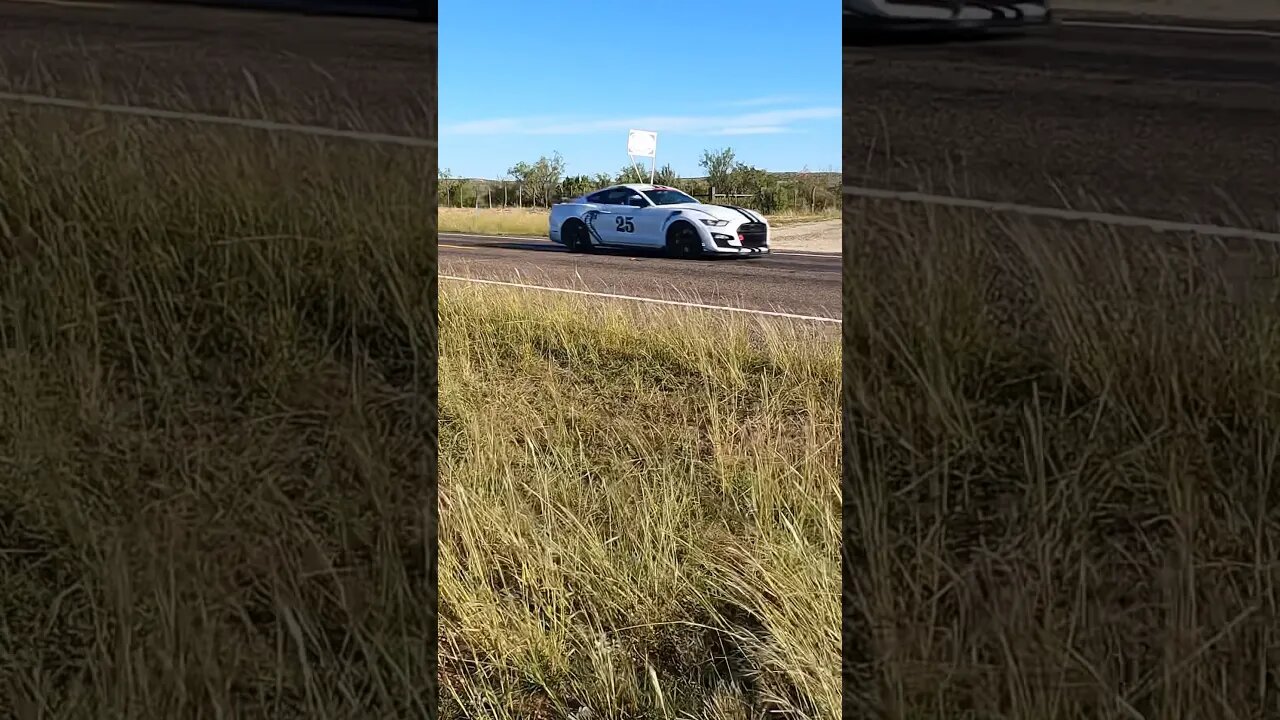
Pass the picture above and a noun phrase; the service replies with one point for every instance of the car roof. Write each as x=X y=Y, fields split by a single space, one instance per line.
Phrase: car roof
x=639 y=187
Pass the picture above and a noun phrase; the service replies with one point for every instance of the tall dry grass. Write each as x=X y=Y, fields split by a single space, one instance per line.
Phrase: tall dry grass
x=216 y=434
x=1061 y=496
x=639 y=512
x=217 y=440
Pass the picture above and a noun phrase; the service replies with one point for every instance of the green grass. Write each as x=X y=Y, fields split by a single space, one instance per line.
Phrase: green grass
x=1061 y=470
x=639 y=512
x=216 y=354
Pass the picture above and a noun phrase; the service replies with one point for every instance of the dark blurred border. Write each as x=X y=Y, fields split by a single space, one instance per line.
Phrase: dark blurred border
x=427 y=11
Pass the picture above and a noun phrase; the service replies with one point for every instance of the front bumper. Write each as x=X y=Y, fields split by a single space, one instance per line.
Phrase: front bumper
x=737 y=251
x=755 y=243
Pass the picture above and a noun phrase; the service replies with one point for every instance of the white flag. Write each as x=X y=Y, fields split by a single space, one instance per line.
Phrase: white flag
x=642 y=143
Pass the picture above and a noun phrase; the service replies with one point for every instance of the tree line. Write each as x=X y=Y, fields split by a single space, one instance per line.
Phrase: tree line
x=545 y=181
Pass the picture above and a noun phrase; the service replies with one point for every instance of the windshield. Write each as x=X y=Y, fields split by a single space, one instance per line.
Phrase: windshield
x=667 y=196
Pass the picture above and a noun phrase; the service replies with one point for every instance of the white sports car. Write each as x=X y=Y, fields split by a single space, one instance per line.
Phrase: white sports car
x=655 y=216
x=870 y=16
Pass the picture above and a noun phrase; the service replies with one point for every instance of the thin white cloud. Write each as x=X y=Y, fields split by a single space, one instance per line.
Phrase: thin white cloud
x=499 y=126
x=767 y=100
x=684 y=124
x=754 y=130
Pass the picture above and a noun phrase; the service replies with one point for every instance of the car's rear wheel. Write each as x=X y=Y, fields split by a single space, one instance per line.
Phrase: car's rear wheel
x=576 y=236
x=683 y=241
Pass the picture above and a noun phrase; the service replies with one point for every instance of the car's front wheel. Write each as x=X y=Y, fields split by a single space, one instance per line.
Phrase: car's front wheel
x=683 y=241
x=576 y=236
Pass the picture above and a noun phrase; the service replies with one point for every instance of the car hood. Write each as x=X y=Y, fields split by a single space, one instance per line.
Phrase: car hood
x=720 y=212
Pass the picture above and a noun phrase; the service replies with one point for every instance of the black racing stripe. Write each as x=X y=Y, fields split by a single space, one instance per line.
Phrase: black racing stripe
x=742 y=212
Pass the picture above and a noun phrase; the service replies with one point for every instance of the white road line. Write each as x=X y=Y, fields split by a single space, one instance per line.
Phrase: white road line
x=1186 y=29
x=1169 y=226
x=268 y=125
x=544 y=239
x=798 y=253
x=635 y=298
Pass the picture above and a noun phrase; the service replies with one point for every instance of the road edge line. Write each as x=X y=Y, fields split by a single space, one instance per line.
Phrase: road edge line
x=1104 y=218
x=636 y=298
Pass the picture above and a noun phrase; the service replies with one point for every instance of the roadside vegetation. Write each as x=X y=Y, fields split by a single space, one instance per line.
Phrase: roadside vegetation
x=217 y=434
x=216 y=426
x=519 y=206
x=545 y=181
x=639 y=512
x=1061 y=470
x=532 y=222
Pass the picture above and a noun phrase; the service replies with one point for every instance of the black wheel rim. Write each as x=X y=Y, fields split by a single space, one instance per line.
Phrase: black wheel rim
x=686 y=241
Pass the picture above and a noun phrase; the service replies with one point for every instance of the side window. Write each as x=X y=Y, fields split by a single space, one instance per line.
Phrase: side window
x=627 y=196
x=600 y=198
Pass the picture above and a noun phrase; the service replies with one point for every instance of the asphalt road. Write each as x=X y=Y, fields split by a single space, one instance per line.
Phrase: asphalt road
x=1167 y=125
x=374 y=74
x=1184 y=127
x=795 y=283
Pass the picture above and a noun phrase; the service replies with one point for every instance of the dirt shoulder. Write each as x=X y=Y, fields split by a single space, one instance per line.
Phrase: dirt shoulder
x=823 y=236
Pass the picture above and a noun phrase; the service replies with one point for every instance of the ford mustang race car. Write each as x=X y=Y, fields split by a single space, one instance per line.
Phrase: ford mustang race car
x=655 y=216
x=871 y=17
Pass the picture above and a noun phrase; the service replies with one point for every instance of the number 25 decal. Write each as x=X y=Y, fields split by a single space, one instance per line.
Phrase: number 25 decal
x=625 y=225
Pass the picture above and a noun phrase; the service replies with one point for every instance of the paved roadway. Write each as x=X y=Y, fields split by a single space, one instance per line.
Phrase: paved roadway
x=322 y=71
x=1168 y=125
x=796 y=283
x=354 y=73
x=1175 y=126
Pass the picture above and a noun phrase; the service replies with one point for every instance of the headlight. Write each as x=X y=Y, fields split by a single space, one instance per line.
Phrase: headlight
x=713 y=222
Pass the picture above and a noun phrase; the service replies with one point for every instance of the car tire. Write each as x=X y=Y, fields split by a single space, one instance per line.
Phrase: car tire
x=577 y=238
x=683 y=241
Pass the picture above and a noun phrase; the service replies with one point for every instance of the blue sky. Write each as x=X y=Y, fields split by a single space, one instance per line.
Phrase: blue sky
x=524 y=79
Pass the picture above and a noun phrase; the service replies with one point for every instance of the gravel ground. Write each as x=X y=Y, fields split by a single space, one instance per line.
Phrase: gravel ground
x=822 y=237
